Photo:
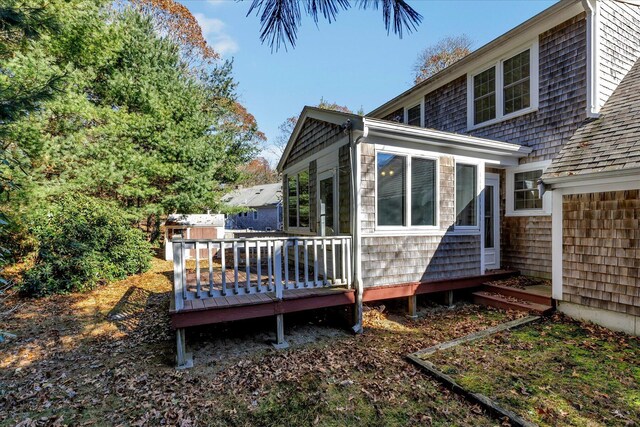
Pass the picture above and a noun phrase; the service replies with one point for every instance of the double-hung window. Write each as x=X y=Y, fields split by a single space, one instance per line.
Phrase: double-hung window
x=405 y=190
x=298 y=199
x=523 y=192
x=503 y=89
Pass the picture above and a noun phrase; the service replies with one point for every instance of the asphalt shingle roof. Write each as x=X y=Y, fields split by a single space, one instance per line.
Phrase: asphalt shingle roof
x=255 y=197
x=611 y=142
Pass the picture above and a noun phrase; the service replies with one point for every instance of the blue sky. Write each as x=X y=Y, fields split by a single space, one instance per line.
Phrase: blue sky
x=352 y=61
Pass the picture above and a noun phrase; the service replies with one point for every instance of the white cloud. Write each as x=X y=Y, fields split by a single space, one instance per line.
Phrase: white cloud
x=214 y=30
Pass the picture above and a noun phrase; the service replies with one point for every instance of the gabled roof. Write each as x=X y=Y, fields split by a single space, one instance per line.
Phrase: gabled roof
x=607 y=145
x=329 y=116
x=255 y=197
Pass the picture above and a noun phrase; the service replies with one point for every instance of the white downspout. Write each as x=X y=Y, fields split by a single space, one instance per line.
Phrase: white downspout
x=356 y=227
x=593 y=58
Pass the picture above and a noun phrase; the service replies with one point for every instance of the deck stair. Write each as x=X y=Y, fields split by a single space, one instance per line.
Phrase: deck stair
x=532 y=299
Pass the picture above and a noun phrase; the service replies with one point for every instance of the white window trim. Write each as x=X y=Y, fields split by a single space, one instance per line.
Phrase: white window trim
x=499 y=90
x=408 y=154
x=479 y=164
x=510 y=187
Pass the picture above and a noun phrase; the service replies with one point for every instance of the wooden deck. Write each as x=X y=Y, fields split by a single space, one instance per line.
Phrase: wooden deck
x=204 y=311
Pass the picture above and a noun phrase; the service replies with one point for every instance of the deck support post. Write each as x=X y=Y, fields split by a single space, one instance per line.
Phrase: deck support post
x=184 y=360
x=280 y=343
x=413 y=307
x=449 y=298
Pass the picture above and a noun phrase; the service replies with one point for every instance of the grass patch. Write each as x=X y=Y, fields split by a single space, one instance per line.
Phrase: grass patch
x=556 y=372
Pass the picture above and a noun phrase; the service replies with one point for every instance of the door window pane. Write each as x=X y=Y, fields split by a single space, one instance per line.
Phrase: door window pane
x=391 y=189
x=326 y=203
x=466 y=195
x=423 y=191
x=488 y=217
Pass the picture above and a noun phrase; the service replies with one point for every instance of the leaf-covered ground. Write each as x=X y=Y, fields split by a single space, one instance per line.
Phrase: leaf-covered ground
x=556 y=372
x=106 y=358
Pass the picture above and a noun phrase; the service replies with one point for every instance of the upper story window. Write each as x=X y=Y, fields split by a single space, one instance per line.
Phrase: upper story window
x=396 y=206
x=298 y=198
x=413 y=116
x=503 y=89
x=395 y=116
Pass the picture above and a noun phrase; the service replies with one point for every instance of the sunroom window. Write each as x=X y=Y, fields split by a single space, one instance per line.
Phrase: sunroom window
x=391 y=189
x=298 y=199
x=466 y=188
x=396 y=205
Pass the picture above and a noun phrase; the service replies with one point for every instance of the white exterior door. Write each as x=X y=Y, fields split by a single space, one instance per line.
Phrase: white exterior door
x=491 y=218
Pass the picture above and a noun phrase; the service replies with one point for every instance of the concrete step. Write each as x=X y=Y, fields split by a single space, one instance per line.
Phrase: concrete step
x=522 y=294
x=510 y=303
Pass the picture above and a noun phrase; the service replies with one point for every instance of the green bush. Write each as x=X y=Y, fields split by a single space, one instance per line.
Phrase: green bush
x=83 y=242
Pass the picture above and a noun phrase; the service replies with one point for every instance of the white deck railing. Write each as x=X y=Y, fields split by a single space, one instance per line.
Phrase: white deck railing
x=206 y=268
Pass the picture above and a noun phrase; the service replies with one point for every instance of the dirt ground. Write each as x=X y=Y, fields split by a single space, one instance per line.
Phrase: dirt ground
x=106 y=358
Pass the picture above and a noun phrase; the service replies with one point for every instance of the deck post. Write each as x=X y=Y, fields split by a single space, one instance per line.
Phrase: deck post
x=184 y=360
x=280 y=343
x=413 y=307
x=178 y=284
x=449 y=298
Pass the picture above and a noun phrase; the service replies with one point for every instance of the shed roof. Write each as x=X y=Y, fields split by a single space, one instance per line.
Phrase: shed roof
x=255 y=197
x=609 y=144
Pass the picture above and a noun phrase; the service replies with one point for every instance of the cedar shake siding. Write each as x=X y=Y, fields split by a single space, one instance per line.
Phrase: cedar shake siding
x=562 y=97
x=402 y=258
x=315 y=136
x=344 y=189
x=601 y=250
x=620 y=44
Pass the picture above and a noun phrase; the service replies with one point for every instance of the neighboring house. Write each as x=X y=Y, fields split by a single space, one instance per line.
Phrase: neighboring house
x=192 y=226
x=263 y=204
x=448 y=173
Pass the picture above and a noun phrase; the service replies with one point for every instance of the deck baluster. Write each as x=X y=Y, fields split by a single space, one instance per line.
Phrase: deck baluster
x=210 y=259
x=333 y=260
x=286 y=262
x=247 y=250
x=325 y=272
x=305 y=243
x=235 y=267
x=258 y=267
x=223 y=269
x=296 y=254
x=270 y=261
x=315 y=262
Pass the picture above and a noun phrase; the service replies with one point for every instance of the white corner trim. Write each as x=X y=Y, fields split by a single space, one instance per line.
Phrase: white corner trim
x=497 y=64
x=556 y=247
x=593 y=57
x=509 y=189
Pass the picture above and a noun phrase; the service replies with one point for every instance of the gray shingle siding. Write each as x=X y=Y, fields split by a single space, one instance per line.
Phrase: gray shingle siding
x=314 y=136
x=620 y=44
